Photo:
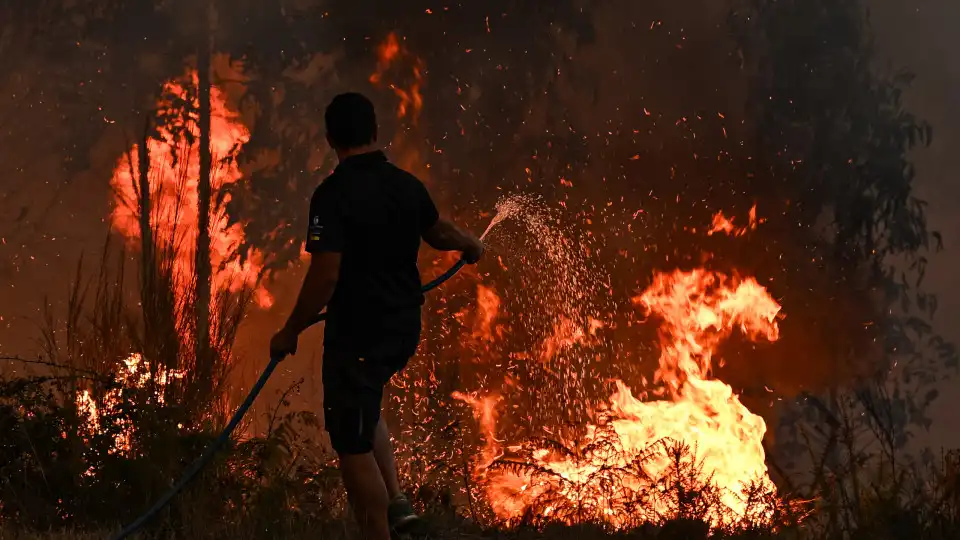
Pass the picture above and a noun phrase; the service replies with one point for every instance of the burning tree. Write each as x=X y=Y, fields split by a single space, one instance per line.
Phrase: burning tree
x=163 y=193
x=128 y=398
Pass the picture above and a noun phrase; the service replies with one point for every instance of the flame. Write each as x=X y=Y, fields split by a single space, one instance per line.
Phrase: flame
x=488 y=304
x=611 y=473
x=173 y=185
x=566 y=334
x=485 y=412
x=411 y=101
x=135 y=373
x=722 y=224
x=699 y=309
x=615 y=463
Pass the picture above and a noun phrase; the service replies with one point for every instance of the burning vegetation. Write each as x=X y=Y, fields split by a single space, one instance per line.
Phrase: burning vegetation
x=173 y=168
x=590 y=372
x=618 y=471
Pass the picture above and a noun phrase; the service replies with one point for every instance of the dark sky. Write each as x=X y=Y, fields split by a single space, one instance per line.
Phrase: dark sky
x=921 y=34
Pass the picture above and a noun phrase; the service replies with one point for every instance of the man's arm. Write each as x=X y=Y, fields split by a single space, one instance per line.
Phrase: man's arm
x=446 y=236
x=316 y=291
x=325 y=240
x=442 y=234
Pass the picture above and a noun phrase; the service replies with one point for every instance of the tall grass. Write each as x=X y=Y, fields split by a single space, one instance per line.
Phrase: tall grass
x=87 y=442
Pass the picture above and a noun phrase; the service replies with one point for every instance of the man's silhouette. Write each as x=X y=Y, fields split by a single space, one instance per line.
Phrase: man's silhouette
x=365 y=226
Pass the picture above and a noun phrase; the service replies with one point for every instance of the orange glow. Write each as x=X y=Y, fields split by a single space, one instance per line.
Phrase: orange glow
x=697 y=310
x=386 y=53
x=566 y=334
x=485 y=412
x=411 y=101
x=173 y=188
x=488 y=304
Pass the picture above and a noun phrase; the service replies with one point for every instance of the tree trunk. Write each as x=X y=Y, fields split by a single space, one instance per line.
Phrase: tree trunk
x=148 y=260
x=202 y=297
x=146 y=230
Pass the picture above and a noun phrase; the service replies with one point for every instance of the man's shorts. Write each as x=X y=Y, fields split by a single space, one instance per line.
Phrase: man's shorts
x=352 y=395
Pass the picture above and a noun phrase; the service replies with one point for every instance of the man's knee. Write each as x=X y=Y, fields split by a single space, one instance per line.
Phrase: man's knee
x=351 y=429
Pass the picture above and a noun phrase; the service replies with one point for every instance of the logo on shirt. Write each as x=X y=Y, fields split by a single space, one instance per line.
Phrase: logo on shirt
x=315 y=229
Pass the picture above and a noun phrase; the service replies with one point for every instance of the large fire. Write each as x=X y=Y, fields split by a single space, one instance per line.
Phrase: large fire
x=174 y=173
x=173 y=184
x=614 y=472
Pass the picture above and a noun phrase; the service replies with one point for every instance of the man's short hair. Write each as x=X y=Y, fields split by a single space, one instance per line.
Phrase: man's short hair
x=351 y=121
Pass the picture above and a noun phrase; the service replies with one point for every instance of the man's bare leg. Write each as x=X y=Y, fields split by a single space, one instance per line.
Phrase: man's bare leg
x=383 y=452
x=367 y=494
x=401 y=516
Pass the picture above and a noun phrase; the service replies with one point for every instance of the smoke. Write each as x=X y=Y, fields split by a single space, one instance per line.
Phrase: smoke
x=920 y=36
x=611 y=111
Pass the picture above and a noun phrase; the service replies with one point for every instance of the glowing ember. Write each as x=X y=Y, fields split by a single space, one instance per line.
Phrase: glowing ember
x=616 y=472
x=173 y=185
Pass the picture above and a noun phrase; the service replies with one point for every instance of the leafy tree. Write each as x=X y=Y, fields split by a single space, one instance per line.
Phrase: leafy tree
x=835 y=143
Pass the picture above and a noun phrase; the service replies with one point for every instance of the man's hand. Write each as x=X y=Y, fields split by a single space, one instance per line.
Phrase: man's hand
x=316 y=291
x=446 y=236
x=283 y=343
x=474 y=250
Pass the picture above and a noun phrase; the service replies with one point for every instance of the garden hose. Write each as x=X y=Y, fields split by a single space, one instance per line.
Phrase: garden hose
x=221 y=440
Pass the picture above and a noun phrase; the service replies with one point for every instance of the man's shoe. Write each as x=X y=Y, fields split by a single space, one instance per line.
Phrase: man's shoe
x=401 y=516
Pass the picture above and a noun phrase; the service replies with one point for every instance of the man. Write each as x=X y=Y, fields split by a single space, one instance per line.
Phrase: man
x=365 y=226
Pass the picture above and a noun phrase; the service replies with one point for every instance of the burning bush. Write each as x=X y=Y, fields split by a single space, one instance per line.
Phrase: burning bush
x=623 y=460
x=65 y=468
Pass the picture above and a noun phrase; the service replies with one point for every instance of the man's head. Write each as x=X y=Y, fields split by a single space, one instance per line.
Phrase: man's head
x=351 y=122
